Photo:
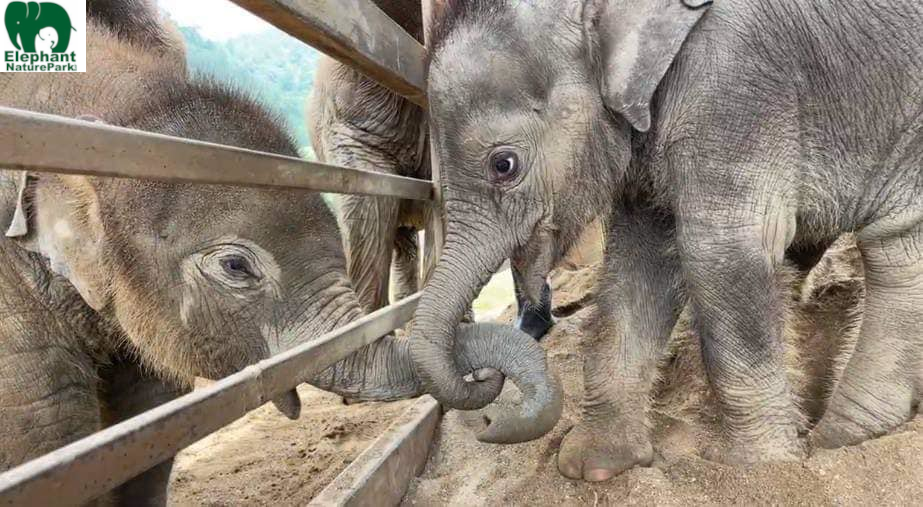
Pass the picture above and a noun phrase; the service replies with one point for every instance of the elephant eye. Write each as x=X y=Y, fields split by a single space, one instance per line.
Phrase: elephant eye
x=237 y=267
x=233 y=266
x=504 y=165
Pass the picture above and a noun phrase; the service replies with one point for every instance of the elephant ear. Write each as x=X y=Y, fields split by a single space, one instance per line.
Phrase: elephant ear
x=638 y=41
x=61 y=221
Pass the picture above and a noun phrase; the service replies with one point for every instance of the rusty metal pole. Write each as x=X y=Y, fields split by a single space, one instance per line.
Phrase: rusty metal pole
x=435 y=230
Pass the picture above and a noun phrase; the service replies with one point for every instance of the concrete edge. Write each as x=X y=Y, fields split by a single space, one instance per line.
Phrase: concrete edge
x=382 y=473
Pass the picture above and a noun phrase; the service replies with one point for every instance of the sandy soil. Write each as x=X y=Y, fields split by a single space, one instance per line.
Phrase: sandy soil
x=266 y=459
x=886 y=471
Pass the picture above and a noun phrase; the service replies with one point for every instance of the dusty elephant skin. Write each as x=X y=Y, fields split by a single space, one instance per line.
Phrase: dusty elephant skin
x=118 y=292
x=357 y=123
x=721 y=137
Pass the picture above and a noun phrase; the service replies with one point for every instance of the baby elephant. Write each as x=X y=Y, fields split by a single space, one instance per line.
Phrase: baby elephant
x=357 y=123
x=116 y=293
x=721 y=136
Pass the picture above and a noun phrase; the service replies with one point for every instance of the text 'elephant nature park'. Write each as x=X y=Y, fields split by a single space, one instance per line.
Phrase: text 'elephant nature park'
x=44 y=36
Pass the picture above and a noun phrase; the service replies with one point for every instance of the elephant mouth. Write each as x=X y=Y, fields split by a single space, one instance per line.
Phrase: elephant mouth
x=532 y=263
x=289 y=403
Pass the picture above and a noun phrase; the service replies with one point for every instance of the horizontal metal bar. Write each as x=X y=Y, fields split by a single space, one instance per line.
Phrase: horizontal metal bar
x=382 y=473
x=355 y=32
x=85 y=469
x=41 y=142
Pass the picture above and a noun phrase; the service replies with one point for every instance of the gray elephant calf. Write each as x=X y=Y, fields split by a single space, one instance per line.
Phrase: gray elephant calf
x=357 y=123
x=116 y=293
x=720 y=137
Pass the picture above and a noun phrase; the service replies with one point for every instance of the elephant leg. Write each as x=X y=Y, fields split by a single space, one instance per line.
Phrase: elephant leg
x=881 y=385
x=48 y=385
x=371 y=226
x=48 y=396
x=638 y=304
x=534 y=319
x=739 y=306
x=406 y=263
x=127 y=392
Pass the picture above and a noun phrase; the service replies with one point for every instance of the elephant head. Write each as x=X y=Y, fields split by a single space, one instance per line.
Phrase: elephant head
x=203 y=280
x=28 y=22
x=532 y=106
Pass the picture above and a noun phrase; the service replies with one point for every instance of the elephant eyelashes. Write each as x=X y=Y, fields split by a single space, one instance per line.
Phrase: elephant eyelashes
x=504 y=165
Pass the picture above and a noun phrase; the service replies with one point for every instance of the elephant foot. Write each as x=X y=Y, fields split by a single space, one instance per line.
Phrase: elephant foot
x=598 y=454
x=847 y=422
x=536 y=320
x=773 y=446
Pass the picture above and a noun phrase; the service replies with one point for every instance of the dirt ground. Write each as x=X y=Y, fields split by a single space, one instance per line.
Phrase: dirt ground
x=886 y=471
x=265 y=459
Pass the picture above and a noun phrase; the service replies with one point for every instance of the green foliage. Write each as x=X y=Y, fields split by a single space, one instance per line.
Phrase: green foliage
x=273 y=67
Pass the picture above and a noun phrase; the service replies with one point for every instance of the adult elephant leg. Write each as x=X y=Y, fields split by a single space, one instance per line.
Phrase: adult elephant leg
x=730 y=259
x=882 y=382
x=639 y=302
x=370 y=227
x=534 y=319
x=406 y=263
x=127 y=392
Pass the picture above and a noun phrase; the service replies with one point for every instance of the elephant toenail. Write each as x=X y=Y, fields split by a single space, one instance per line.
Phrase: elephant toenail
x=598 y=474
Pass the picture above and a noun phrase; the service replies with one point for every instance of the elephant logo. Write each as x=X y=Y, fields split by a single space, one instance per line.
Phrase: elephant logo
x=35 y=27
x=44 y=36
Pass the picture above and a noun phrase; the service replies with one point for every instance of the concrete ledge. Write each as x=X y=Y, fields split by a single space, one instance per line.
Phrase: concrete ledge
x=381 y=474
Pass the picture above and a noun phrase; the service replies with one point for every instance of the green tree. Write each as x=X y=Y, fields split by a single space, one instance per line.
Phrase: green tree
x=270 y=65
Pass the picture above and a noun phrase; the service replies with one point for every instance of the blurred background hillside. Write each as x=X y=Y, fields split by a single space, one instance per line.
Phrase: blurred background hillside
x=224 y=41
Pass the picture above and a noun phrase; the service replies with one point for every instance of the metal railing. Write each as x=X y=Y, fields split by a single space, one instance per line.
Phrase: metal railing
x=355 y=32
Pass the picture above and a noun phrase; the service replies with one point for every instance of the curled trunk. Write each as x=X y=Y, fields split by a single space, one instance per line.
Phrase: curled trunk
x=456 y=281
x=385 y=371
x=445 y=351
x=479 y=347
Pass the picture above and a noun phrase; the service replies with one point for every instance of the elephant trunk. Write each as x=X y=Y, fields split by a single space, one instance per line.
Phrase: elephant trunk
x=442 y=348
x=459 y=276
x=382 y=371
x=480 y=347
x=385 y=371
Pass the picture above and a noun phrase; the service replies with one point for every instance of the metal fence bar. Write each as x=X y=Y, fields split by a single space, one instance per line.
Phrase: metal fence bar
x=87 y=468
x=48 y=143
x=436 y=232
x=357 y=33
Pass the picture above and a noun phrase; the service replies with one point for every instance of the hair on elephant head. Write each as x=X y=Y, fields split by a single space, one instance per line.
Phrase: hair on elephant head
x=532 y=126
x=140 y=23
